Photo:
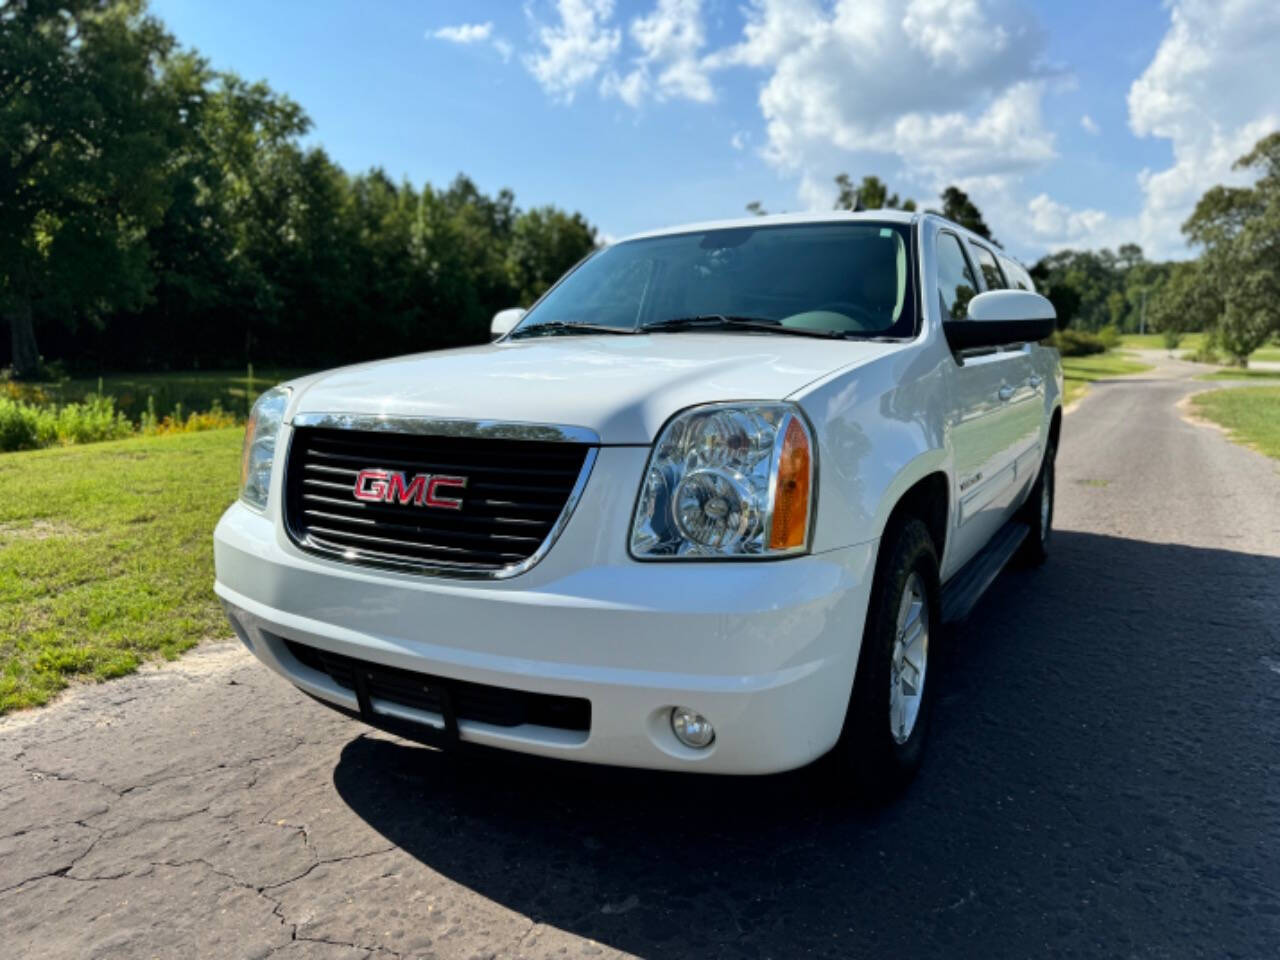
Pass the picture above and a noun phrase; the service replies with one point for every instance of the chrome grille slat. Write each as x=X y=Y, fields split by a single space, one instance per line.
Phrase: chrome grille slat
x=407 y=528
x=518 y=496
x=372 y=508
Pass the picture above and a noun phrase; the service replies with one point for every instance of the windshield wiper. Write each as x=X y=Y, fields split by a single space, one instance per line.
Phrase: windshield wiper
x=566 y=326
x=720 y=321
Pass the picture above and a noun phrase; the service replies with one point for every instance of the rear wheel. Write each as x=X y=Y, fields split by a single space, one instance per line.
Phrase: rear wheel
x=1037 y=513
x=887 y=721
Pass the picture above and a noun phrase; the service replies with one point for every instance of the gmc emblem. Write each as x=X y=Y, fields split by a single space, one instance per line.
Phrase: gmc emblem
x=389 y=486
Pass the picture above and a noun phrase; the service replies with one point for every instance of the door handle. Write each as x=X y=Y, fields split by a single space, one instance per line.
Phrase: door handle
x=1035 y=382
x=1005 y=392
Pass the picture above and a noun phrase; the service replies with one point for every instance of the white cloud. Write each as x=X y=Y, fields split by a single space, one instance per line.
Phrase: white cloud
x=465 y=32
x=951 y=89
x=1207 y=91
x=472 y=33
x=669 y=39
x=739 y=140
x=574 y=51
x=1058 y=225
x=1090 y=125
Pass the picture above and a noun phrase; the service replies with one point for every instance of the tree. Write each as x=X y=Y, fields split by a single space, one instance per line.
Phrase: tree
x=1239 y=231
x=1185 y=301
x=871 y=194
x=957 y=206
x=85 y=130
x=545 y=242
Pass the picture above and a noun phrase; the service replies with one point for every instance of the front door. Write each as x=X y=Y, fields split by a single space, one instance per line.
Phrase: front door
x=986 y=431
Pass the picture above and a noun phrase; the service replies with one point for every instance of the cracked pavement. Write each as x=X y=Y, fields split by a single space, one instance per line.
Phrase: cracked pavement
x=1102 y=780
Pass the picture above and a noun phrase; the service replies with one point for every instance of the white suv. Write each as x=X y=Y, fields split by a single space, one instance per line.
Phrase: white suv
x=705 y=507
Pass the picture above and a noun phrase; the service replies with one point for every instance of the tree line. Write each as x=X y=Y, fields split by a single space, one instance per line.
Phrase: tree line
x=1229 y=290
x=156 y=213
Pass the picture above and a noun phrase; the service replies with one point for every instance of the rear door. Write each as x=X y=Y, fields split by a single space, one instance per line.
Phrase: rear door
x=984 y=430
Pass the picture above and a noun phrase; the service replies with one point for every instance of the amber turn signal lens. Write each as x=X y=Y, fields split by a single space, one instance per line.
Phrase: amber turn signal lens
x=791 y=500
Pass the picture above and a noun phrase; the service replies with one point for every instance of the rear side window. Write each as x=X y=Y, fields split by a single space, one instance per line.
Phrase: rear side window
x=956 y=282
x=990 y=269
x=1019 y=279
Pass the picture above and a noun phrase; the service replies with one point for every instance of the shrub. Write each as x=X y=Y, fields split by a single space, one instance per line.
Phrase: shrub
x=1109 y=336
x=215 y=419
x=25 y=427
x=94 y=420
x=1077 y=343
x=1171 y=338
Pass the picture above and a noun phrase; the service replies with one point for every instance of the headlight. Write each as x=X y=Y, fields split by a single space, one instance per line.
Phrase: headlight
x=727 y=480
x=260 y=446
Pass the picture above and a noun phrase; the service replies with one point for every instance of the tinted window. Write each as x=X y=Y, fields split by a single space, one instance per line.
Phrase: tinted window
x=1018 y=277
x=847 y=277
x=990 y=269
x=956 y=283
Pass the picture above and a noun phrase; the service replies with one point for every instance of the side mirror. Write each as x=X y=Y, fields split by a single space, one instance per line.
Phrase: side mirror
x=999 y=317
x=504 y=320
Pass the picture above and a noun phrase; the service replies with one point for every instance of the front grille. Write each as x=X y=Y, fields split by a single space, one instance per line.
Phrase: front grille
x=470 y=701
x=515 y=496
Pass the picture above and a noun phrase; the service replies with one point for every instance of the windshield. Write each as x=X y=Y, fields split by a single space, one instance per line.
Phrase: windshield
x=841 y=278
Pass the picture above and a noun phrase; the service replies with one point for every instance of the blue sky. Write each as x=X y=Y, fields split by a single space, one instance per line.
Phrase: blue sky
x=643 y=113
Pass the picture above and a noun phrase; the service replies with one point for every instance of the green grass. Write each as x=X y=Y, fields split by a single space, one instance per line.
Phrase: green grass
x=1267 y=354
x=1079 y=372
x=106 y=558
x=1155 y=341
x=1250 y=414
x=196 y=391
x=1235 y=373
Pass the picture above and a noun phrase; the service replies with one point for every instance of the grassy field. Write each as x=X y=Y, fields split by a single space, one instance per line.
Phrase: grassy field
x=196 y=391
x=1251 y=414
x=1269 y=354
x=1190 y=343
x=1155 y=341
x=1233 y=373
x=1079 y=372
x=112 y=564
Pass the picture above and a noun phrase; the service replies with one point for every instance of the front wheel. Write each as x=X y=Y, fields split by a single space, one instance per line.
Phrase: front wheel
x=887 y=721
x=1037 y=513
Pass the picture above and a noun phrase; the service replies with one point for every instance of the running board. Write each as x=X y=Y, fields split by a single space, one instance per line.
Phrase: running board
x=963 y=591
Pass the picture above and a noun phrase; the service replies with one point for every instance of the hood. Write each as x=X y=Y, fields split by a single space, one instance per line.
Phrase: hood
x=622 y=387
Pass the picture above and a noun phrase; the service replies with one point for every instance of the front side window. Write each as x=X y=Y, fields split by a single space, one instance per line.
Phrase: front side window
x=849 y=279
x=956 y=282
x=990 y=269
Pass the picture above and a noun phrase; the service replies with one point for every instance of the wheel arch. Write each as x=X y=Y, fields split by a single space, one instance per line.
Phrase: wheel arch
x=921 y=489
x=1055 y=427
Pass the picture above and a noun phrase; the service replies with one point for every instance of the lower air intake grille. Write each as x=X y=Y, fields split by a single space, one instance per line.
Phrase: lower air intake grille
x=498 y=706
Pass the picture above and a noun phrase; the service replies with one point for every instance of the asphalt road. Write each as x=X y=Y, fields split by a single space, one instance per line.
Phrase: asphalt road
x=1102 y=781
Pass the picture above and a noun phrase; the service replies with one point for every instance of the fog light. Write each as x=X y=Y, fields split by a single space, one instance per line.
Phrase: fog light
x=691 y=728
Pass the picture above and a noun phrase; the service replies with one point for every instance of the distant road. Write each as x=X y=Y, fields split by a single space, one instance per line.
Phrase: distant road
x=1103 y=781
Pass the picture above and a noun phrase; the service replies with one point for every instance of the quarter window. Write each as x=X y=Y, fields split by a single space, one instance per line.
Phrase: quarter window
x=990 y=269
x=1018 y=277
x=956 y=282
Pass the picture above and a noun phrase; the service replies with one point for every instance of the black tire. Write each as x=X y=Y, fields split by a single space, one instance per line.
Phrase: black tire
x=870 y=761
x=1035 y=549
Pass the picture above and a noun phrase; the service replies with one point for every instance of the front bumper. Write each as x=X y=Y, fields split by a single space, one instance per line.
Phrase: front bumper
x=766 y=650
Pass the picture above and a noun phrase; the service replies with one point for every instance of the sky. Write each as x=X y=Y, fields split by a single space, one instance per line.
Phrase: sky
x=1083 y=124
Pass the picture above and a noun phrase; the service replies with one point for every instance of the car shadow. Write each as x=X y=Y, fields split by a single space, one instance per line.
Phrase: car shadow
x=1101 y=779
